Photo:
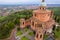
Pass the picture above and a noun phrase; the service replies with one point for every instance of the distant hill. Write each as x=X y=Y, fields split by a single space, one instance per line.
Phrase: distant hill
x=53 y=5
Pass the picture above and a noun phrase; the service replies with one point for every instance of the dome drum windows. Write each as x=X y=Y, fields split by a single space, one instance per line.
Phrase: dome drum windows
x=42 y=8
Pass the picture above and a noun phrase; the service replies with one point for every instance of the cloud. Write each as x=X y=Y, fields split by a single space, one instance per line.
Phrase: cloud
x=17 y=1
x=28 y=1
x=53 y=1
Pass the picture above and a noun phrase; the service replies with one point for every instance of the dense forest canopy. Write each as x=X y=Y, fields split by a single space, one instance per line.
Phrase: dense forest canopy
x=7 y=23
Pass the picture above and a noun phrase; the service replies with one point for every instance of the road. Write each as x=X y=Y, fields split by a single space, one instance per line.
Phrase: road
x=12 y=36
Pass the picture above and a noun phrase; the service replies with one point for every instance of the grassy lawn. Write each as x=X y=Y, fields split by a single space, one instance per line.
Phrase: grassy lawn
x=19 y=33
x=31 y=33
x=24 y=38
x=45 y=37
x=57 y=33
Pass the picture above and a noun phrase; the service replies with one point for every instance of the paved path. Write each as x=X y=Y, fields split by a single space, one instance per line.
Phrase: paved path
x=24 y=34
x=14 y=37
x=50 y=37
x=13 y=33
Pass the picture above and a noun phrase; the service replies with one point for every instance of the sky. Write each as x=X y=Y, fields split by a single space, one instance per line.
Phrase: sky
x=28 y=1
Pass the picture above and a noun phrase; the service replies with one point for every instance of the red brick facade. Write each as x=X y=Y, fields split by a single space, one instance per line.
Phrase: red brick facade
x=40 y=22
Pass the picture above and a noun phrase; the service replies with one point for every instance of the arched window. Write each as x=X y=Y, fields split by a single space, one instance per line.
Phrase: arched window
x=40 y=36
x=40 y=8
x=23 y=23
x=33 y=23
x=35 y=14
x=44 y=8
x=37 y=35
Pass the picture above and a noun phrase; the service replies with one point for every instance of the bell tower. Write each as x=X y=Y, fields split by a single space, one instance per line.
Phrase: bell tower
x=22 y=23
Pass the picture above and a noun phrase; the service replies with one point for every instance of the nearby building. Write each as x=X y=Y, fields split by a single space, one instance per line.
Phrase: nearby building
x=41 y=21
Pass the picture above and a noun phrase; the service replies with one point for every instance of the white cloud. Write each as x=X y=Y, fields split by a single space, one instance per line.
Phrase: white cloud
x=17 y=0
x=28 y=1
x=53 y=1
